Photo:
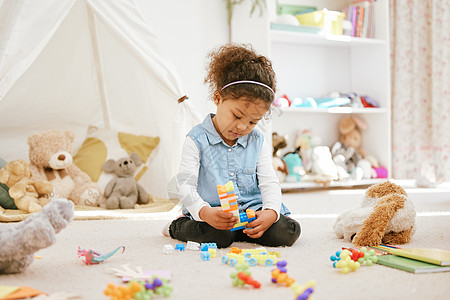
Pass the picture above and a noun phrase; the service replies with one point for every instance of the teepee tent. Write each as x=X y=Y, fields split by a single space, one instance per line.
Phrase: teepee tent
x=69 y=64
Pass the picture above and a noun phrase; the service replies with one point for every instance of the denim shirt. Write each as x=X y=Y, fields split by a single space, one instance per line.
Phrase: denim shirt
x=220 y=163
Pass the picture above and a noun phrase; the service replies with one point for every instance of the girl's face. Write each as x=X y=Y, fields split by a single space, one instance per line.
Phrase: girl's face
x=237 y=117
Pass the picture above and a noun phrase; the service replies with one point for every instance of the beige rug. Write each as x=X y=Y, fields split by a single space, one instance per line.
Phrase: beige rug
x=60 y=270
x=158 y=205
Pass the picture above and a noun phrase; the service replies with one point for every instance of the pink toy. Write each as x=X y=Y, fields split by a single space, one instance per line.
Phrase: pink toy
x=381 y=172
x=90 y=257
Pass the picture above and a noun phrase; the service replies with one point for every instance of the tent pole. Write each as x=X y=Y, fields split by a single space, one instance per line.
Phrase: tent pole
x=98 y=69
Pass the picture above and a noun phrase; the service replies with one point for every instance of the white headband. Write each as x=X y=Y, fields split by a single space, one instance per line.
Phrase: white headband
x=249 y=81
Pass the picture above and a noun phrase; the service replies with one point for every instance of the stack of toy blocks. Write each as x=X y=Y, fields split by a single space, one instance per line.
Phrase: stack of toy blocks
x=228 y=202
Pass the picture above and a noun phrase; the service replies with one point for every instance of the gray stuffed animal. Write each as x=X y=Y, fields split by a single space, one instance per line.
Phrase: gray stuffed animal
x=123 y=191
x=19 y=241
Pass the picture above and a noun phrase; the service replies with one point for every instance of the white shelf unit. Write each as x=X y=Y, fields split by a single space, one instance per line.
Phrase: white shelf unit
x=313 y=65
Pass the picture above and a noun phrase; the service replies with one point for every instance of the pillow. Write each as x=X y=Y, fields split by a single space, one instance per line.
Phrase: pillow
x=103 y=144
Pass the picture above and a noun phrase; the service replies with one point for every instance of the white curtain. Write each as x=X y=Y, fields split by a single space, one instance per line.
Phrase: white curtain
x=420 y=51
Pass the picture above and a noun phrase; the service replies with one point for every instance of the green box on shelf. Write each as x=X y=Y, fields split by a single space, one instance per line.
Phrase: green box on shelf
x=295 y=28
x=291 y=9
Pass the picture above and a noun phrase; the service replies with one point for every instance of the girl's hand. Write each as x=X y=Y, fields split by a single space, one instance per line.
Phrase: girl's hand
x=264 y=219
x=217 y=218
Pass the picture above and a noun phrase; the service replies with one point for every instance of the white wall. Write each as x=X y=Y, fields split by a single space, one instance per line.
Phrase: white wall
x=188 y=30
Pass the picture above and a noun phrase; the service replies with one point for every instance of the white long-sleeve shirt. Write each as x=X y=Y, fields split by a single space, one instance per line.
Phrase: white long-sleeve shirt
x=188 y=180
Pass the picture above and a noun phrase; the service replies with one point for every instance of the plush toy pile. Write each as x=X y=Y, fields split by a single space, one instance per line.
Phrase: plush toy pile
x=386 y=216
x=28 y=195
x=344 y=160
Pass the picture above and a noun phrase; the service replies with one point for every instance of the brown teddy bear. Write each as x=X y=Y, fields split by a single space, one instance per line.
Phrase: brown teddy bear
x=28 y=195
x=386 y=216
x=350 y=132
x=51 y=159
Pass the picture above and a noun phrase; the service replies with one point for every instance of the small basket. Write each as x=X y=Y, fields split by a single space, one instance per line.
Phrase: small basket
x=330 y=21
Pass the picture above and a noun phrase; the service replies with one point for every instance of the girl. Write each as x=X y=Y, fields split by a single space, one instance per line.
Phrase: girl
x=227 y=147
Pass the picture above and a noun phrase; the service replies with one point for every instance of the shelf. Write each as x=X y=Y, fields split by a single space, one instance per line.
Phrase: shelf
x=332 y=110
x=290 y=37
x=288 y=186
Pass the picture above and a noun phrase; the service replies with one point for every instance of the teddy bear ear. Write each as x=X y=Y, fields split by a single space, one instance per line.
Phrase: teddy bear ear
x=360 y=123
x=70 y=135
x=346 y=125
x=109 y=165
x=137 y=159
x=4 y=174
x=33 y=140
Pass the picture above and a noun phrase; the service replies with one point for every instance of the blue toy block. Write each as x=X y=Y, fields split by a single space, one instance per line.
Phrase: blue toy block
x=208 y=246
x=205 y=255
x=179 y=247
x=244 y=219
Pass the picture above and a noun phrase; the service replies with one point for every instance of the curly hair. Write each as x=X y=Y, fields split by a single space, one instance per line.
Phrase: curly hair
x=233 y=62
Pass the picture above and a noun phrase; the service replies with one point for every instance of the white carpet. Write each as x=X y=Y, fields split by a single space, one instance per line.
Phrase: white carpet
x=61 y=270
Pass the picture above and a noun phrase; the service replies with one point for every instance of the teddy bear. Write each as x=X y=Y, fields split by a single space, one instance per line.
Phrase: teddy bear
x=123 y=191
x=348 y=152
x=19 y=241
x=28 y=195
x=386 y=216
x=350 y=132
x=51 y=159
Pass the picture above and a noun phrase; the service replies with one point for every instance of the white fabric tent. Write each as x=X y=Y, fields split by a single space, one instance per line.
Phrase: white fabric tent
x=68 y=64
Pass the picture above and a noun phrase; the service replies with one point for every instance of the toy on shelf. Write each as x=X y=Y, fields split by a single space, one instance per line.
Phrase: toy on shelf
x=228 y=202
x=91 y=257
x=306 y=141
x=279 y=165
x=294 y=165
x=304 y=292
x=243 y=276
x=349 y=155
x=279 y=275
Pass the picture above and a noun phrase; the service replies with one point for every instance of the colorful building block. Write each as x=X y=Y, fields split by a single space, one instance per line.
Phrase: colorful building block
x=205 y=255
x=243 y=276
x=179 y=247
x=192 y=246
x=228 y=202
x=209 y=245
